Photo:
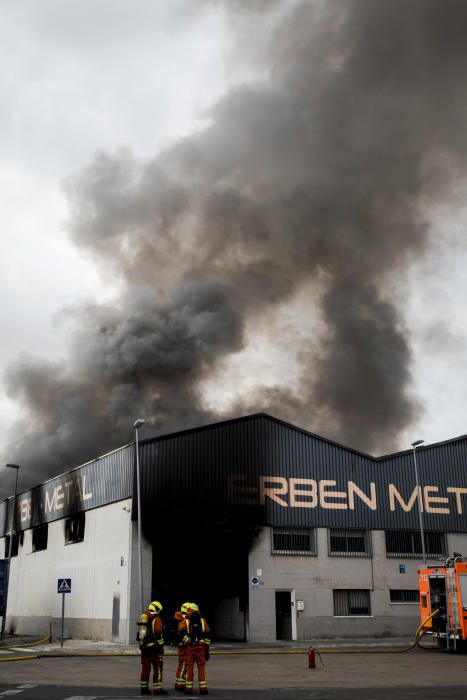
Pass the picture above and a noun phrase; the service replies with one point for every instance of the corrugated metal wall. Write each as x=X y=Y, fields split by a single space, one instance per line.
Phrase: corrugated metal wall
x=104 y=480
x=220 y=472
x=240 y=474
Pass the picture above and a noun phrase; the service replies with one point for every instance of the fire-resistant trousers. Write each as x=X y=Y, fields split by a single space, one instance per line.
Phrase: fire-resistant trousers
x=151 y=656
x=180 y=676
x=195 y=654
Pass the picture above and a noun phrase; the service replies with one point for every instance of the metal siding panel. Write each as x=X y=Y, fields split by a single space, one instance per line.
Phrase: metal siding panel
x=262 y=446
x=195 y=467
x=104 y=480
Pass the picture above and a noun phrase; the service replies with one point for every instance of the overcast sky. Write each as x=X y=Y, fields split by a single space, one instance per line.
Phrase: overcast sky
x=77 y=79
x=135 y=77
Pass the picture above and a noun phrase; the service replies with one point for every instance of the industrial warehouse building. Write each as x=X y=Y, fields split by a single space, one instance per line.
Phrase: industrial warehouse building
x=277 y=533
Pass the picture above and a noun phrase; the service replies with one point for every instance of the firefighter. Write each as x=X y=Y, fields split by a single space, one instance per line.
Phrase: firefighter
x=195 y=636
x=151 y=639
x=180 y=676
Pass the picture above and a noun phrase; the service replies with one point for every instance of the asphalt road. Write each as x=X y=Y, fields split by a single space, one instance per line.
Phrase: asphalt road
x=44 y=692
x=413 y=675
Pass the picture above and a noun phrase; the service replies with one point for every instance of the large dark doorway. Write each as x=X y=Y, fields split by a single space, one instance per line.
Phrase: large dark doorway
x=283 y=615
x=209 y=568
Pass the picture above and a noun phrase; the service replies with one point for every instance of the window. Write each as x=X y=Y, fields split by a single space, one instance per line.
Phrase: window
x=74 y=528
x=293 y=540
x=347 y=603
x=39 y=538
x=17 y=540
x=404 y=596
x=349 y=543
x=463 y=587
x=408 y=543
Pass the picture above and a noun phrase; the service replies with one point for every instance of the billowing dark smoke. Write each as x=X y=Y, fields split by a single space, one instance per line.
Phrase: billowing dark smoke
x=317 y=176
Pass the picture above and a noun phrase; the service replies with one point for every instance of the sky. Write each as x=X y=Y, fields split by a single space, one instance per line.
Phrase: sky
x=215 y=208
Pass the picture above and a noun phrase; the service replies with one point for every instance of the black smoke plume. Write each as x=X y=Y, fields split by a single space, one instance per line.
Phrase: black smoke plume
x=319 y=176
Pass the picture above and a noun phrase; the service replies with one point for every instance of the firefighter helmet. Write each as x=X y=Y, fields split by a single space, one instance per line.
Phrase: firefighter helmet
x=192 y=607
x=184 y=608
x=155 y=607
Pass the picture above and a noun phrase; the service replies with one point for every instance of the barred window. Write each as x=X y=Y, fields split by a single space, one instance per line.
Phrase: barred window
x=294 y=540
x=349 y=543
x=74 y=528
x=408 y=543
x=351 y=602
x=40 y=536
x=404 y=596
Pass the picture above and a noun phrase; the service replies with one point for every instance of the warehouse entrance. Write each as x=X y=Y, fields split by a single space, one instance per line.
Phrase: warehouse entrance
x=209 y=568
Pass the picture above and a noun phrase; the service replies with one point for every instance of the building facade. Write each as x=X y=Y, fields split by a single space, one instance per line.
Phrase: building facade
x=276 y=532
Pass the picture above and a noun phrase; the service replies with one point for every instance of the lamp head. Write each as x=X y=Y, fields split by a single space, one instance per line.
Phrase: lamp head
x=12 y=466
x=138 y=423
x=417 y=443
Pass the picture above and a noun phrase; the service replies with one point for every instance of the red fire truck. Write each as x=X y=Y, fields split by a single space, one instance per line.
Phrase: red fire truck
x=444 y=588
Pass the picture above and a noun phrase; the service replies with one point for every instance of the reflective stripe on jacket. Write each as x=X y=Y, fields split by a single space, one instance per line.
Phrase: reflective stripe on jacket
x=151 y=629
x=184 y=631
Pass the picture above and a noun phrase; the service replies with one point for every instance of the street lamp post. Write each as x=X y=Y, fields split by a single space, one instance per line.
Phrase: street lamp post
x=137 y=425
x=416 y=444
x=10 y=549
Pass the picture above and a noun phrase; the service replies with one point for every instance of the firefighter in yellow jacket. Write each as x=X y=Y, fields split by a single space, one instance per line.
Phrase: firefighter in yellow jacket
x=180 y=676
x=151 y=639
x=195 y=636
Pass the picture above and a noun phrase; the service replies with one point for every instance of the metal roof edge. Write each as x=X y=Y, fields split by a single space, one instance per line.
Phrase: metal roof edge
x=430 y=446
x=280 y=421
x=68 y=471
x=254 y=416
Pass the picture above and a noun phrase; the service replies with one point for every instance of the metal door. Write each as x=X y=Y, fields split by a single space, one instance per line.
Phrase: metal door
x=283 y=615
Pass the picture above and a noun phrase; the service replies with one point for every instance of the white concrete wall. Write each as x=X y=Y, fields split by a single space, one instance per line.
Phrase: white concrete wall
x=313 y=578
x=134 y=609
x=102 y=569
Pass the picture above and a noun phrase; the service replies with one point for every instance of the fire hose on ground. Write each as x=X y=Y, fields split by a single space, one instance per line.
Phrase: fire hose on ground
x=310 y=651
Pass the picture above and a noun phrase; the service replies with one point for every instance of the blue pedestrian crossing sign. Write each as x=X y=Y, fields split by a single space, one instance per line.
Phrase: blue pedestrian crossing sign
x=64 y=585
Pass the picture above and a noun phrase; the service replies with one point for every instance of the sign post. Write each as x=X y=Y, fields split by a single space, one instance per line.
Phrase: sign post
x=63 y=586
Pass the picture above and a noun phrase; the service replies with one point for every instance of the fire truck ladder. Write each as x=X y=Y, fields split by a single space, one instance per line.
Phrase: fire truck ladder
x=452 y=618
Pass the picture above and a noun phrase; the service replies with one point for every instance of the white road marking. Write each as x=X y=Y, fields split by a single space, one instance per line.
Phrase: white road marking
x=25 y=651
x=5 y=652
x=18 y=689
